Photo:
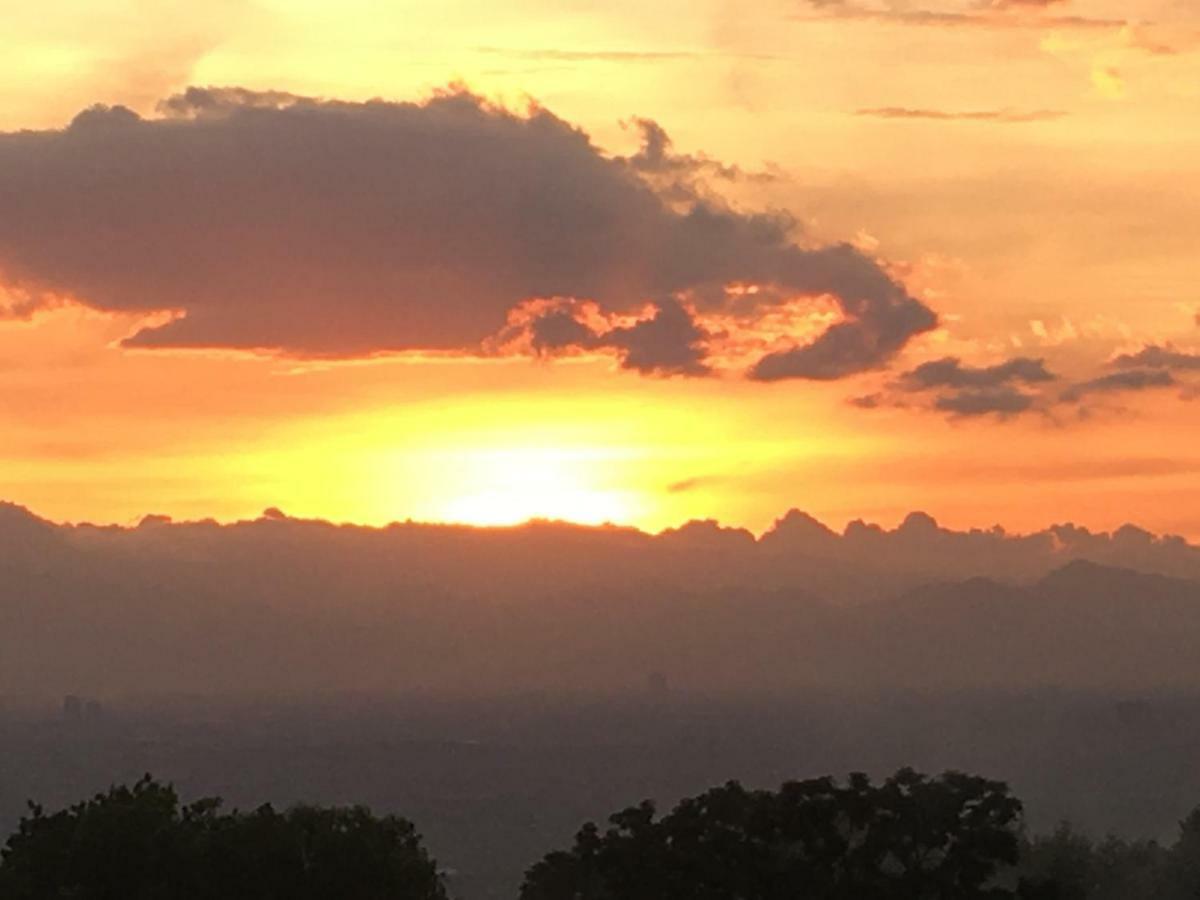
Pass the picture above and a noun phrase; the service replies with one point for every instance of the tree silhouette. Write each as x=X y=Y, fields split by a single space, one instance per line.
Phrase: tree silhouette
x=139 y=843
x=1184 y=864
x=911 y=836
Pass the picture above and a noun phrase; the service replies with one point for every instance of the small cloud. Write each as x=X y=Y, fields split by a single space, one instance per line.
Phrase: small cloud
x=1158 y=41
x=1002 y=401
x=1108 y=82
x=967 y=391
x=1154 y=356
x=1118 y=382
x=950 y=372
x=869 y=243
x=867 y=401
x=691 y=484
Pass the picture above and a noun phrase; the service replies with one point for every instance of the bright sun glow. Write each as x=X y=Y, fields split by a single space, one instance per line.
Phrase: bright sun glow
x=506 y=487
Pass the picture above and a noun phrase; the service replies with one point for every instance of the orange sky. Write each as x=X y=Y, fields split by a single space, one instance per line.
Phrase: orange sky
x=1028 y=172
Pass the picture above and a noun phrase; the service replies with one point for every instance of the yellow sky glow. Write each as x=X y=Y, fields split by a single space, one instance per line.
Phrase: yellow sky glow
x=1071 y=236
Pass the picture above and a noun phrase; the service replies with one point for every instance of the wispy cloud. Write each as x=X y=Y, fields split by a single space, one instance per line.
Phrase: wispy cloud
x=615 y=55
x=1010 y=116
x=1018 y=14
x=695 y=483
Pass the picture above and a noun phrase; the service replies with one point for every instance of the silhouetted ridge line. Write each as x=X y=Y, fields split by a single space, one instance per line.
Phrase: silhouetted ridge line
x=282 y=605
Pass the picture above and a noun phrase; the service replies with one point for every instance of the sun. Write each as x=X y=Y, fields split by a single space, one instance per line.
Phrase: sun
x=513 y=485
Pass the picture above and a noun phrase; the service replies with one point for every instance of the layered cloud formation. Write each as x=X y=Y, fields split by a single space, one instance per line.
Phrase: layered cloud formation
x=965 y=391
x=1019 y=384
x=272 y=222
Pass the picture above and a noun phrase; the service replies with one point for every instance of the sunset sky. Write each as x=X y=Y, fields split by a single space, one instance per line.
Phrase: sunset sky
x=602 y=261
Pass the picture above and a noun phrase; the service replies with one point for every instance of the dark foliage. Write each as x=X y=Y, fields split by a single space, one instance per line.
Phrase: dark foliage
x=1068 y=865
x=911 y=836
x=140 y=843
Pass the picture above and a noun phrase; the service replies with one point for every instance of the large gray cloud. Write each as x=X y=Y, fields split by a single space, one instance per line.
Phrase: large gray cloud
x=274 y=222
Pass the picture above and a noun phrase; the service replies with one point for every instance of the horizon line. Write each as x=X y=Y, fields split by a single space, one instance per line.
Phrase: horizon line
x=913 y=519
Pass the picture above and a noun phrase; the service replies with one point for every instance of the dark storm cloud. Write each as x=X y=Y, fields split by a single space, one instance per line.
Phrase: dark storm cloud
x=1154 y=356
x=1002 y=401
x=270 y=221
x=1120 y=382
x=949 y=372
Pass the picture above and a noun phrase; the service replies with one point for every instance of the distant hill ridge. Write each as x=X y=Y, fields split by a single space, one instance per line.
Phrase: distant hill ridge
x=279 y=605
x=917 y=547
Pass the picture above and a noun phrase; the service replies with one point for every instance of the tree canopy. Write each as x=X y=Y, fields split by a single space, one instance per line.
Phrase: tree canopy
x=911 y=836
x=1069 y=865
x=141 y=843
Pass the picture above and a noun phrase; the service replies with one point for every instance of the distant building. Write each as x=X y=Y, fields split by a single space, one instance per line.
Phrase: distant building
x=1133 y=713
x=81 y=709
x=657 y=684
